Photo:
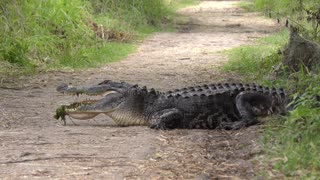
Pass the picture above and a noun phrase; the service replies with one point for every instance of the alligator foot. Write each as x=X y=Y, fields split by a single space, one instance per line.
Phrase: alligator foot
x=166 y=119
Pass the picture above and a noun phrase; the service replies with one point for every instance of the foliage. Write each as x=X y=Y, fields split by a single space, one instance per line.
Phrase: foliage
x=128 y=14
x=246 y=60
x=296 y=141
x=304 y=14
x=292 y=141
x=61 y=33
x=247 y=5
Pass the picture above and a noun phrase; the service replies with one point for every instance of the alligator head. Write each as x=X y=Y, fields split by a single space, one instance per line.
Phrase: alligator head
x=115 y=101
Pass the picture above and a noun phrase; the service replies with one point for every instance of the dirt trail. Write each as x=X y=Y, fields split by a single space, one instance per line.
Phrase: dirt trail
x=33 y=145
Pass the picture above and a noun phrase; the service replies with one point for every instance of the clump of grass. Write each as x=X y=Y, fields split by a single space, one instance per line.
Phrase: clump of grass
x=41 y=32
x=61 y=33
x=301 y=13
x=292 y=143
x=94 y=56
x=247 y=59
x=247 y=5
x=131 y=15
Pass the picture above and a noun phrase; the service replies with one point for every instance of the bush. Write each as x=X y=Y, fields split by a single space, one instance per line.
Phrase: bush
x=57 y=33
x=37 y=32
x=304 y=14
x=292 y=143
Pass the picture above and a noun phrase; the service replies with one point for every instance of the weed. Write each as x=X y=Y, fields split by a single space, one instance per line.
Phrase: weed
x=247 y=5
x=292 y=143
x=247 y=59
x=60 y=33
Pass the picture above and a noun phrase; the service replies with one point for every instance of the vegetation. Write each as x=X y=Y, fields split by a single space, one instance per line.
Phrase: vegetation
x=76 y=34
x=304 y=14
x=292 y=143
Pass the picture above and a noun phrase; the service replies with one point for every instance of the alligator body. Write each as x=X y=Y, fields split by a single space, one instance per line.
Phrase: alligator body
x=225 y=106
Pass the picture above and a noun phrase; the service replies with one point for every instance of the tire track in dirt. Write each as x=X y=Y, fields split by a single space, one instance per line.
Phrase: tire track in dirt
x=33 y=145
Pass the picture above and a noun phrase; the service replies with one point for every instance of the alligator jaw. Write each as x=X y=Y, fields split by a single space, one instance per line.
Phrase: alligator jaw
x=86 y=110
x=103 y=88
x=91 y=91
x=90 y=108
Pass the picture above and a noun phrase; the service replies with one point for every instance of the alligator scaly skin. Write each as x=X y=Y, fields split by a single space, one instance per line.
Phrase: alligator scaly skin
x=226 y=106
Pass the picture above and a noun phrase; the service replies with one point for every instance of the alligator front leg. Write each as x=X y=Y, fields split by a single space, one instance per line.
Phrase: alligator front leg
x=166 y=119
x=249 y=105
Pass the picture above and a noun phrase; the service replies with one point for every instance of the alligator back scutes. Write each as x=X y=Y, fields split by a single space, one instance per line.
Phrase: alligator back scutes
x=214 y=89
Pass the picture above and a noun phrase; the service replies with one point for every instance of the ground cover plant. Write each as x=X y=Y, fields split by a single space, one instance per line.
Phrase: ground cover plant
x=291 y=143
x=76 y=34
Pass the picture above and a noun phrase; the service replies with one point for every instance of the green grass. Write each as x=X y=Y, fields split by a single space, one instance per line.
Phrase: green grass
x=292 y=143
x=92 y=57
x=245 y=60
x=59 y=33
x=296 y=12
x=247 y=5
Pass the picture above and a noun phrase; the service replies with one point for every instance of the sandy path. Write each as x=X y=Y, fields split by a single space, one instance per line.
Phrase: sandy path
x=33 y=145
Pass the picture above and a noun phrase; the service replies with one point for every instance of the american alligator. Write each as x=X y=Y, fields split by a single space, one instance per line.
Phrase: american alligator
x=225 y=106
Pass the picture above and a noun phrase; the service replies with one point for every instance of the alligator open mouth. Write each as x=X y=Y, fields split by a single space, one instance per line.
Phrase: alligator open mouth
x=99 y=99
x=73 y=111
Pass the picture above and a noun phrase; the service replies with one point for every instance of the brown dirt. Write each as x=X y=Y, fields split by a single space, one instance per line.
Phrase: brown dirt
x=34 y=145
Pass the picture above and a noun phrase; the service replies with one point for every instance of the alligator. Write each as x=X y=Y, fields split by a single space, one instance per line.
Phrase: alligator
x=222 y=106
